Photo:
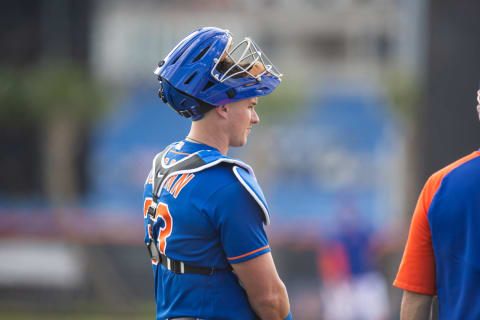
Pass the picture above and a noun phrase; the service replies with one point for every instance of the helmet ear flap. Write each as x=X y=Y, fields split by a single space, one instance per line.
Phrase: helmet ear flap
x=185 y=105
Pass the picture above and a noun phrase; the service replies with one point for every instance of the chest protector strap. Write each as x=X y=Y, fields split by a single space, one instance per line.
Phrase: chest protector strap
x=159 y=175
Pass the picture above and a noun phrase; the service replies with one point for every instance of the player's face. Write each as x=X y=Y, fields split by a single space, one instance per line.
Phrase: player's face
x=242 y=118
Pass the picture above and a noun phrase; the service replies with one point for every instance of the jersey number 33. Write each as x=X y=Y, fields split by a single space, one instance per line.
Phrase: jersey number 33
x=165 y=231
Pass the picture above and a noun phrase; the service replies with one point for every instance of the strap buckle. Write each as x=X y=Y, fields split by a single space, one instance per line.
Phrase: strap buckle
x=180 y=267
x=152 y=209
x=177 y=267
x=185 y=113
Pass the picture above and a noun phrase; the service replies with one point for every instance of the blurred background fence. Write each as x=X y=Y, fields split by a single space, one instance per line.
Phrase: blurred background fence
x=377 y=94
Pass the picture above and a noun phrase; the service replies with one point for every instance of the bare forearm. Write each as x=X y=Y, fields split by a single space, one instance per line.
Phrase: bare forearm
x=274 y=307
x=266 y=292
x=415 y=306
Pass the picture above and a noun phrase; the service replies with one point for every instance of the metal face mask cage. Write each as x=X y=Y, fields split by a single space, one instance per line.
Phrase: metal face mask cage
x=245 y=56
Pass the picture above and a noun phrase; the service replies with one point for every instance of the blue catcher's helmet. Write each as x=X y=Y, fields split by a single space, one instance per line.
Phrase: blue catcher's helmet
x=204 y=71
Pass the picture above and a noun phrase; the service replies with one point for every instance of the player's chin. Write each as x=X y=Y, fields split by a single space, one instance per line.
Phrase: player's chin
x=239 y=142
x=244 y=142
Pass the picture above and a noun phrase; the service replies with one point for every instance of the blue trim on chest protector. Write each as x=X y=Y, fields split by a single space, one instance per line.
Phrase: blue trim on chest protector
x=251 y=184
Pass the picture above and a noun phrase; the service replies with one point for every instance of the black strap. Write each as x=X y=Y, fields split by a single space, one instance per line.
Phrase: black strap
x=200 y=109
x=153 y=250
x=180 y=267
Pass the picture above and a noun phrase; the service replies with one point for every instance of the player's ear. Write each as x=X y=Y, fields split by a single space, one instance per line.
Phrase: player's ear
x=222 y=111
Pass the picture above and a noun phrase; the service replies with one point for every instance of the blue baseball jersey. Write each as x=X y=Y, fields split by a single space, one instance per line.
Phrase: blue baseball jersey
x=208 y=218
x=442 y=255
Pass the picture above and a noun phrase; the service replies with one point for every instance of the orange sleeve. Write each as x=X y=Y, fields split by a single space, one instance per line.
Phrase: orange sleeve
x=417 y=269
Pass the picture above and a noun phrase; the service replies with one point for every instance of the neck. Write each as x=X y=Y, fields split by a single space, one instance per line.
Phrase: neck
x=207 y=133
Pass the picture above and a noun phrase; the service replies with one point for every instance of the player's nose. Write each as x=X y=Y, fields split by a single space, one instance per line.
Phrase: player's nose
x=255 y=118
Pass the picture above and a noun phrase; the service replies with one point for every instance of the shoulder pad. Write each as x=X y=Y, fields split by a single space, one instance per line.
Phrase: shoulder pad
x=249 y=181
x=202 y=160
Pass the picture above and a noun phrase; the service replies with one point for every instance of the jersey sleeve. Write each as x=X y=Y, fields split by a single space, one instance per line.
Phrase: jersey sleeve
x=417 y=268
x=239 y=221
